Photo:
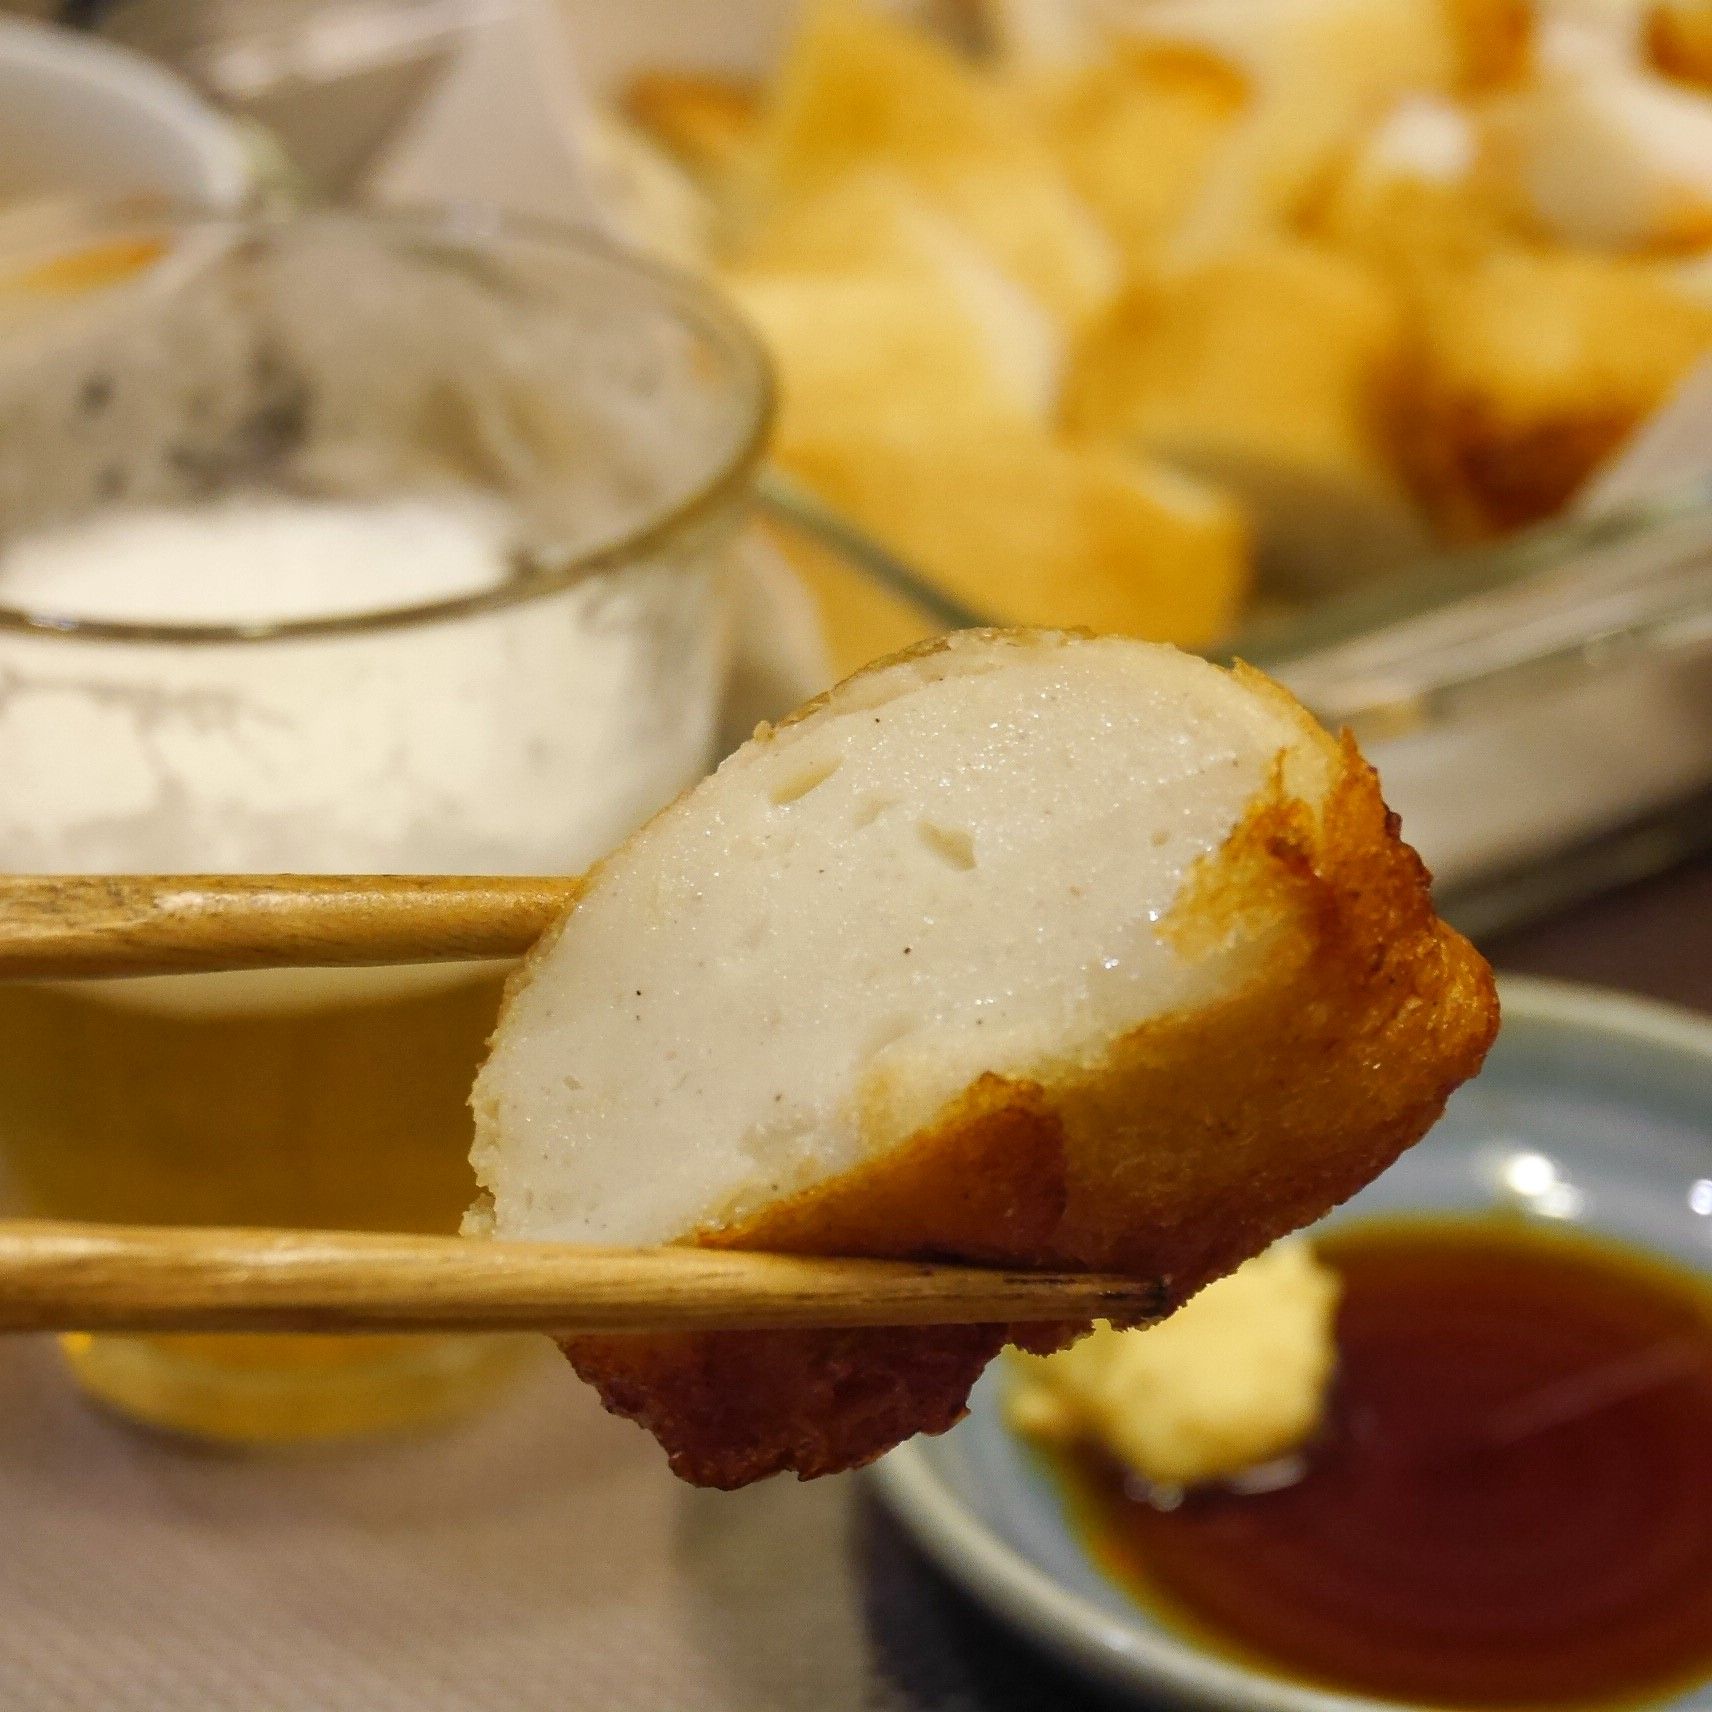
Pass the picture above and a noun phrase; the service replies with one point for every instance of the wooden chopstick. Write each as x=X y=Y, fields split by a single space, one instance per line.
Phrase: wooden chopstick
x=66 y=926
x=149 y=1278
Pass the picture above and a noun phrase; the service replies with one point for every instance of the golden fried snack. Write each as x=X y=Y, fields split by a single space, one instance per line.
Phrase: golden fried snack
x=1417 y=195
x=867 y=220
x=1025 y=529
x=1493 y=41
x=1022 y=947
x=878 y=312
x=1137 y=133
x=705 y=121
x=1266 y=373
x=1535 y=366
x=859 y=89
x=1239 y=1376
x=1330 y=69
x=877 y=352
x=1607 y=156
x=1678 y=40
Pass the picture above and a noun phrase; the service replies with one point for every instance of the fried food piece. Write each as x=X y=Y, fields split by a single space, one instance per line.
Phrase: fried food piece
x=1023 y=948
x=1025 y=38
x=1331 y=68
x=1236 y=1378
x=879 y=314
x=1242 y=34
x=1417 y=195
x=1608 y=157
x=1493 y=42
x=872 y=219
x=1028 y=530
x=1534 y=367
x=1267 y=374
x=1137 y=133
x=858 y=89
x=1678 y=40
x=707 y=123
x=878 y=352
x=1694 y=277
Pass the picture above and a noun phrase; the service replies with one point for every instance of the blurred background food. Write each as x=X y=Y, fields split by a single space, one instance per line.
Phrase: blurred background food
x=1156 y=315
x=1346 y=335
x=1136 y=314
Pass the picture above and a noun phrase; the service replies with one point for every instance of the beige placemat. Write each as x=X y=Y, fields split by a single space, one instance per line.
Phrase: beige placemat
x=537 y=1557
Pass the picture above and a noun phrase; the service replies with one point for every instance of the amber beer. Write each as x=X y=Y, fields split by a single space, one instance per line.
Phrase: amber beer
x=349 y=543
x=331 y=1099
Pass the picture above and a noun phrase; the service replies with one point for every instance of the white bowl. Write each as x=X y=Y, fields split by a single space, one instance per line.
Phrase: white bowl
x=82 y=117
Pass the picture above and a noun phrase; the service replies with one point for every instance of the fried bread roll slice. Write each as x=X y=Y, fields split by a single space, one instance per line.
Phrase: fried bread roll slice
x=1267 y=373
x=1022 y=947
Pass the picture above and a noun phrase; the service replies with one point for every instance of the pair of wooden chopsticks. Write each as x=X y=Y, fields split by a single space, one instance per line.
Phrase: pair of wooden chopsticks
x=74 y=926
x=140 y=1278
x=76 y=1277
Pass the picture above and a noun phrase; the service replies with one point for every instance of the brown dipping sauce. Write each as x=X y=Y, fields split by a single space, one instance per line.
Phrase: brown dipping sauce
x=1512 y=1502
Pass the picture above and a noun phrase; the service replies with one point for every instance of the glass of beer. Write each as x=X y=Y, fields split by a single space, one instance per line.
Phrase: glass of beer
x=343 y=543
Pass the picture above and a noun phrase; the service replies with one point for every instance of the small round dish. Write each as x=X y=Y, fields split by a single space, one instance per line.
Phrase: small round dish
x=1593 y=1109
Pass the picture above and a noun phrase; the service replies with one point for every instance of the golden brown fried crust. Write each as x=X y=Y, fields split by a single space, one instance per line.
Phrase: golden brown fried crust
x=986 y=1184
x=1494 y=42
x=1206 y=1135
x=1188 y=1147
x=734 y=1407
x=1532 y=365
x=704 y=121
x=1482 y=477
x=1678 y=41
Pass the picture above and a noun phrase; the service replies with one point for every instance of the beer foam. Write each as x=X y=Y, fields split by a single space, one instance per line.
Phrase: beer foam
x=529 y=738
x=262 y=559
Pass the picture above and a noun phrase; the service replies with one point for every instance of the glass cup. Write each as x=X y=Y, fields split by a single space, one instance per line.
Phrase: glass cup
x=336 y=543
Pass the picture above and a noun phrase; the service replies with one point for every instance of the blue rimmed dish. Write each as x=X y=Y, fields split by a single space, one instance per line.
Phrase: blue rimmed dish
x=1594 y=1109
